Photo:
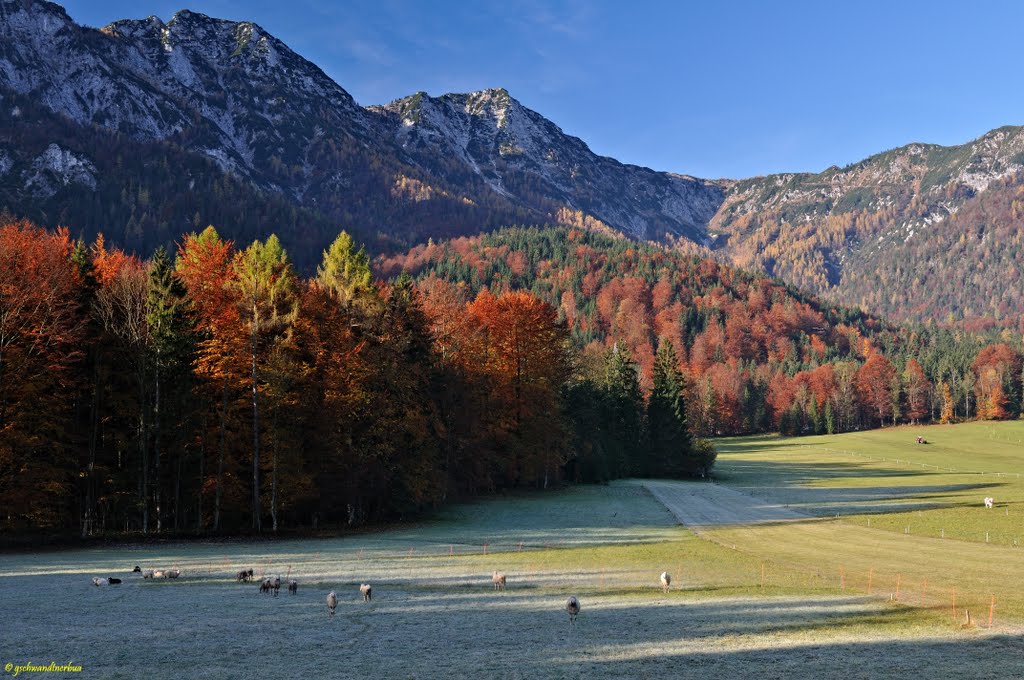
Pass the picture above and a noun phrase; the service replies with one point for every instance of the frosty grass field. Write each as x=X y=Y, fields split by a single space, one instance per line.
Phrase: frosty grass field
x=809 y=558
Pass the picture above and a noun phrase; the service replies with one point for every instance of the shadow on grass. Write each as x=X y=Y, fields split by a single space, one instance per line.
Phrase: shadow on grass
x=797 y=486
x=413 y=630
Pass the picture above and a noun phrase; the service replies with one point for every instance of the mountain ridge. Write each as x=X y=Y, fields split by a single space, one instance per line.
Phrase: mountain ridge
x=423 y=167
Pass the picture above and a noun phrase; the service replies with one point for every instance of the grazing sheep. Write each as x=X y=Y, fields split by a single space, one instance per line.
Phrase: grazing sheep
x=293 y=587
x=244 y=576
x=989 y=502
x=666 y=580
x=332 y=602
x=158 y=573
x=266 y=585
x=367 y=590
x=137 y=569
x=173 y=573
x=572 y=606
x=149 y=573
x=114 y=581
x=276 y=585
x=498 y=579
x=97 y=581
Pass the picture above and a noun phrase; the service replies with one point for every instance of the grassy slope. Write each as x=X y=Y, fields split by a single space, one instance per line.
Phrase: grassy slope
x=435 y=615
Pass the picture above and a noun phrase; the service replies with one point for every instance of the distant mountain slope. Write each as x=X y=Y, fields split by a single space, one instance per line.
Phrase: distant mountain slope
x=893 y=232
x=518 y=153
x=421 y=167
x=218 y=121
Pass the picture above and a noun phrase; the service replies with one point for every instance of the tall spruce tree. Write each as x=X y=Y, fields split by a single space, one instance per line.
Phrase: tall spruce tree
x=668 y=434
x=623 y=407
x=171 y=344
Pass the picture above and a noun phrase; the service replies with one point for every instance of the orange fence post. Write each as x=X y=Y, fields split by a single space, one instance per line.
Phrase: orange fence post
x=898 y=576
x=871 y=577
x=991 y=609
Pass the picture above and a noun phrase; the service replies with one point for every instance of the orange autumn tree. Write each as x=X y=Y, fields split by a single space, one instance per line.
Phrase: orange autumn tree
x=997 y=387
x=204 y=265
x=874 y=385
x=41 y=328
x=526 y=356
x=917 y=388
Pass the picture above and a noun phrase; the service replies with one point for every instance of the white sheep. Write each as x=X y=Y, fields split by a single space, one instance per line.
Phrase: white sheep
x=97 y=581
x=989 y=502
x=666 y=581
x=498 y=579
x=572 y=606
x=367 y=591
x=149 y=573
x=332 y=602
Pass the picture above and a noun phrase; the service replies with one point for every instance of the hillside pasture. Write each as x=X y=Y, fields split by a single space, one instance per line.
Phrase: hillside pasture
x=882 y=479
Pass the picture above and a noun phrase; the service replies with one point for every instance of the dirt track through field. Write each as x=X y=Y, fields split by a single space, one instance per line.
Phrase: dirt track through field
x=705 y=506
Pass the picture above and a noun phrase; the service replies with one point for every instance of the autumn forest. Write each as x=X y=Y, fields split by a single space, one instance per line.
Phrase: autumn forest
x=213 y=388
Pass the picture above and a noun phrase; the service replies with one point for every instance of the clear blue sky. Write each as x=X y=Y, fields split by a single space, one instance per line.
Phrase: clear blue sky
x=710 y=89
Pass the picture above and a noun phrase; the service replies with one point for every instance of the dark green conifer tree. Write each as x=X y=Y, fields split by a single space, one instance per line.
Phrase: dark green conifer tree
x=668 y=435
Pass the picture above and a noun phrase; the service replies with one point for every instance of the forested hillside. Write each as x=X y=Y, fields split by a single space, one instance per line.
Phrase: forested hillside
x=758 y=355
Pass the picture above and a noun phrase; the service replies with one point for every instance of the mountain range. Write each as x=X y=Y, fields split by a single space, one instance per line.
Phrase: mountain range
x=144 y=129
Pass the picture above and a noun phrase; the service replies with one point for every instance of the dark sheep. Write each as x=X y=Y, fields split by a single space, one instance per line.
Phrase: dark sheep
x=572 y=606
x=293 y=587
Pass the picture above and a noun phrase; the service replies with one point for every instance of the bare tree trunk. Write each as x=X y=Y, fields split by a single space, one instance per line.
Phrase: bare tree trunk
x=90 y=525
x=273 y=484
x=156 y=448
x=202 y=479
x=177 y=494
x=220 y=457
x=255 y=441
x=144 y=454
